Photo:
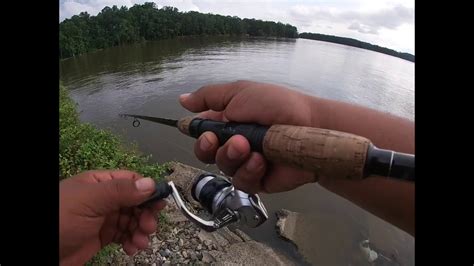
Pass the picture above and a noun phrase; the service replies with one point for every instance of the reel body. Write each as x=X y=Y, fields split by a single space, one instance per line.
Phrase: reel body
x=218 y=196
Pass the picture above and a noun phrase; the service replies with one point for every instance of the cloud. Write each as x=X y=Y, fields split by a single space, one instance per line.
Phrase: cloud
x=389 y=18
x=306 y=15
x=362 y=28
x=68 y=8
x=182 y=5
x=367 y=22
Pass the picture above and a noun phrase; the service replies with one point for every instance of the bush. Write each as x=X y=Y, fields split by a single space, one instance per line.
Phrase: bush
x=83 y=147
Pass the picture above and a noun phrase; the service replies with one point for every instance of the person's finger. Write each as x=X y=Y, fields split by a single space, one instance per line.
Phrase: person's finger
x=213 y=115
x=124 y=174
x=206 y=146
x=211 y=97
x=129 y=247
x=109 y=228
x=248 y=177
x=283 y=178
x=99 y=176
x=124 y=221
x=118 y=236
x=132 y=226
x=233 y=154
x=121 y=238
x=140 y=240
x=112 y=195
x=147 y=222
x=157 y=206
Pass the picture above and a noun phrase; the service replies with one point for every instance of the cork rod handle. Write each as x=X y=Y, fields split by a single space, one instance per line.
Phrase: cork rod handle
x=324 y=152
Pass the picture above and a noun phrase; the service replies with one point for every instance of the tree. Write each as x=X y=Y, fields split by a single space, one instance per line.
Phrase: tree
x=118 y=26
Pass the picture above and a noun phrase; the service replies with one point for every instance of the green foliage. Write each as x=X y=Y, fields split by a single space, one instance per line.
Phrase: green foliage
x=356 y=43
x=116 y=26
x=102 y=257
x=83 y=147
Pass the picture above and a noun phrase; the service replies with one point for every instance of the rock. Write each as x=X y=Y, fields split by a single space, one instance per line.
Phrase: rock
x=193 y=256
x=207 y=258
x=180 y=242
x=184 y=253
x=163 y=253
x=175 y=230
x=167 y=252
x=199 y=247
x=230 y=236
x=205 y=236
x=154 y=264
x=250 y=253
x=167 y=263
x=286 y=224
x=220 y=240
x=310 y=235
x=369 y=254
x=242 y=235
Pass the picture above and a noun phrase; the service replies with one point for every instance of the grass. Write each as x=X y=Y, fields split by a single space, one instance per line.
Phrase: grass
x=84 y=147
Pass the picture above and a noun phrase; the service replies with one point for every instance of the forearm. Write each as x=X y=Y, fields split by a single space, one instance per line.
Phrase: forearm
x=386 y=131
x=390 y=200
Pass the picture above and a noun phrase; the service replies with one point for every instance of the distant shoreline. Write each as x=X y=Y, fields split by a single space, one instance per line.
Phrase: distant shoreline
x=408 y=57
x=356 y=43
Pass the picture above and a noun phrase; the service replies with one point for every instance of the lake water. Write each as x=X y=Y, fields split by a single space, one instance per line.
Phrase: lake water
x=148 y=78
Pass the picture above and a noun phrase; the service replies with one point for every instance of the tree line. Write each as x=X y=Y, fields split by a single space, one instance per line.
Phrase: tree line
x=356 y=43
x=116 y=26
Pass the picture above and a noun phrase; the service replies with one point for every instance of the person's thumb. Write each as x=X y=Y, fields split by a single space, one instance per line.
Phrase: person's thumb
x=211 y=97
x=121 y=193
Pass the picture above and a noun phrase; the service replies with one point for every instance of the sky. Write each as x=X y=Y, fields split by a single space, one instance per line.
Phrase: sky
x=387 y=23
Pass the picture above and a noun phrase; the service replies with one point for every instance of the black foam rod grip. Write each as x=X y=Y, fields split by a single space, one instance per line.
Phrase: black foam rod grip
x=163 y=190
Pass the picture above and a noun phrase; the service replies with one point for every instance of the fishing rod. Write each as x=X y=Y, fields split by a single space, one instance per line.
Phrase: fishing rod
x=324 y=152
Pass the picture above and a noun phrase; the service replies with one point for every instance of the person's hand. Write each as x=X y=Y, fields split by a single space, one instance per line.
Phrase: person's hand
x=266 y=104
x=250 y=102
x=98 y=208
